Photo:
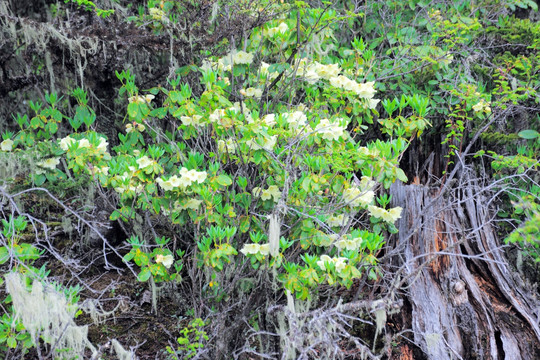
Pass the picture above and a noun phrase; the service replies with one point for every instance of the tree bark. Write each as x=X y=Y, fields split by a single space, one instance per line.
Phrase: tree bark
x=465 y=302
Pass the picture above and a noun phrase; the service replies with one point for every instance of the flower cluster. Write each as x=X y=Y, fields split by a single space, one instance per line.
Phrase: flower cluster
x=68 y=141
x=264 y=72
x=482 y=106
x=362 y=195
x=268 y=143
x=280 y=29
x=251 y=92
x=253 y=249
x=166 y=260
x=271 y=193
x=145 y=162
x=296 y=120
x=128 y=183
x=187 y=177
x=390 y=216
x=194 y=120
x=139 y=99
x=242 y=57
x=349 y=243
x=50 y=163
x=339 y=262
x=313 y=72
x=6 y=145
x=365 y=91
x=330 y=130
x=227 y=146
x=131 y=127
x=337 y=220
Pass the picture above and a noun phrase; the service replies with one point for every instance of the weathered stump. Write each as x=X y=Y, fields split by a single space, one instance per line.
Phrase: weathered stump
x=464 y=300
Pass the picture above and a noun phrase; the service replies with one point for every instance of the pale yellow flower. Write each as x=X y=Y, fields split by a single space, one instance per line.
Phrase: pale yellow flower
x=253 y=92
x=192 y=204
x=50 y=163
x=269 y=119
x=6 y=145
x=169 y=184
x=145 y=162
x=348 y=244
x=227 y=146
x=324 y=259
x=366 y=91
x=102 y=146
x=66 y=142
x=84 y=143
x=242 y=57
x=389 y=216
x=356 y=197
x=250 y=249
x=166 y=260
x=267 y=194
x=327 y=71
x=330 y=130
x=134 y=127
x=337 y=220
x=296 y=119
x=139 y=99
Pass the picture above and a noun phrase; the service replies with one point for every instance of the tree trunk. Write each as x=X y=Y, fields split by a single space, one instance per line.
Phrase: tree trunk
x=464 y=301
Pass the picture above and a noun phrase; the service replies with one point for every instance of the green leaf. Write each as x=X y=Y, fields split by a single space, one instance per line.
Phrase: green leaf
x=4 y=255
x=401 y=175
x=115 y=215
x=129 y=256
x=529 y=134
x=224 y=180
x=144 y=275
x=11 y=342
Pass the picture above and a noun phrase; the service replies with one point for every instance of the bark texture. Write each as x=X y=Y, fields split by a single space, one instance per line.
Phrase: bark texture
x=465 y=301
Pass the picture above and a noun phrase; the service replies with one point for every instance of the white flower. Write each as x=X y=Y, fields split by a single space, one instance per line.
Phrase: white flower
x=330 y=131
x=191 y=204
x=337 y=220
x=482 y=106
x=366 y=91
x=296 y=119
x=191 y=120
x=139 y=99
x=227 y=146
x=327 y=71
x=134 y=127
x=102 y=146
x=189 y=176
x=324 y=258
x=357 y=197
x=250 y=249
x=49 y=163
x=389 y=216
x=253 y=92
x=101 y=170
x=166 y=260
x=169 y=184
x=349 y=244
x=372 y=103
x=242 y=57
x=268 y=144
x=84 y=143
x=269 y=119
x=271 y=192
x=6 y=145
x=339 y=263
x=145 y=162
x=66 y=142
